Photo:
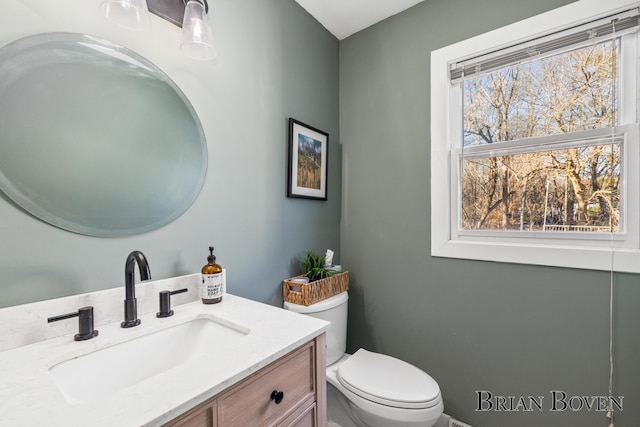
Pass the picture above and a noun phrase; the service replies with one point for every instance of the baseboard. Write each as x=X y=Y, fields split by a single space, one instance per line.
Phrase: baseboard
x=445 y=421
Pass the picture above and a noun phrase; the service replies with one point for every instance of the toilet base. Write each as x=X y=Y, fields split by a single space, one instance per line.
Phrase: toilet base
x=338 y=414
x=344 y=413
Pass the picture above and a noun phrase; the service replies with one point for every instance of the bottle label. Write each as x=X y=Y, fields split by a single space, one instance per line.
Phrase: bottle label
x=211 y=285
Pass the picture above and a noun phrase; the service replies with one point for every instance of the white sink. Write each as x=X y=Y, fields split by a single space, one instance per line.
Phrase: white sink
x=92 y=376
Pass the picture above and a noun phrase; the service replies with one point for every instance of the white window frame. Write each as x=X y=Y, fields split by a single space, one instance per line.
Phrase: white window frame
x=619 y=251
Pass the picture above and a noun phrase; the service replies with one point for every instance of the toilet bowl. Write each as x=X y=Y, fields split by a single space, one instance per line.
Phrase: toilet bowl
x=371 y=389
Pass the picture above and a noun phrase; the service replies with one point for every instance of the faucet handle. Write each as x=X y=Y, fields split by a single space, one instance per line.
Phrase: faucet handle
x=85 y=323
x=165 y=302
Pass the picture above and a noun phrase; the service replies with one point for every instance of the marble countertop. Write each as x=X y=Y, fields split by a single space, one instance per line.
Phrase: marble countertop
x=30 y=397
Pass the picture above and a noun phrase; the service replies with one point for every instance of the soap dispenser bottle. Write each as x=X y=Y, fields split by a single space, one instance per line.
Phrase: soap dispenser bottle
x=211 y=290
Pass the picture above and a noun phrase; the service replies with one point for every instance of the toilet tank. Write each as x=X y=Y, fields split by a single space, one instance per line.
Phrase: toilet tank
x=334 y=310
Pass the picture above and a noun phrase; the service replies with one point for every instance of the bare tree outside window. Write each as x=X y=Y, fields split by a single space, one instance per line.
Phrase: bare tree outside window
x=571 y=184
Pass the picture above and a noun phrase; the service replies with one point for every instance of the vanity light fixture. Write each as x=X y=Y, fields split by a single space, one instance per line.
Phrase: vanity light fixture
x=130 y=14
x=191 y=15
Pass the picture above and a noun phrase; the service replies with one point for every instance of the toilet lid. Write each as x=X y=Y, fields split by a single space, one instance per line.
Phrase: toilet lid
x=389 y=381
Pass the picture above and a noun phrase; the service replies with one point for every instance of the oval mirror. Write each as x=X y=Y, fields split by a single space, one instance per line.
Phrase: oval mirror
x=94 y=138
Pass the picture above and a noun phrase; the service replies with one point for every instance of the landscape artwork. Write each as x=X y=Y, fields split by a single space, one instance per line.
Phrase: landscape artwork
x=308 y=154
x=309 y=158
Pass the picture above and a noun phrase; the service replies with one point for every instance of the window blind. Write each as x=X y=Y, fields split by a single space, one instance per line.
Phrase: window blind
x=593 y=31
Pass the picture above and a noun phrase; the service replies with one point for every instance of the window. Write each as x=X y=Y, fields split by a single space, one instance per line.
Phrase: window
x=514 y=178
x=539 y=140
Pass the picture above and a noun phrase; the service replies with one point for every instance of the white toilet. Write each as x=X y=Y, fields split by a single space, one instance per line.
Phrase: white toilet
x=371 y=389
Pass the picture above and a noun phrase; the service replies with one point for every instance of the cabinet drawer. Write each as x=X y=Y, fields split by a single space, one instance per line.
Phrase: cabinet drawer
x=203 y=417
x=250 y=403
x=303 y=417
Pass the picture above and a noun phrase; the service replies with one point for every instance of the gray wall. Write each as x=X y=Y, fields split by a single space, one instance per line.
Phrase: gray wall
x=275 y=62
x=510 y=329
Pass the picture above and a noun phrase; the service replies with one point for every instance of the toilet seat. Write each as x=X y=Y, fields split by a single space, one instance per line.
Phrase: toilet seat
x=388 y=381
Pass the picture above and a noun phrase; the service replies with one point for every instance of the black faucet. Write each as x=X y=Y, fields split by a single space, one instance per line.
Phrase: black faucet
x=130 y=303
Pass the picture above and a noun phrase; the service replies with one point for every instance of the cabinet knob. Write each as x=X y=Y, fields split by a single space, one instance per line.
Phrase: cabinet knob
x=277 y=396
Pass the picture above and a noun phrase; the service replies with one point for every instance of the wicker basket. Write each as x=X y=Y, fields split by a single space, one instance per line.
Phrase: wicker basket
x=311 y=293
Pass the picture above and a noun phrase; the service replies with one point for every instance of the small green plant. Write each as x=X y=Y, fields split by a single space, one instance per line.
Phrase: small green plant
x=313 y=265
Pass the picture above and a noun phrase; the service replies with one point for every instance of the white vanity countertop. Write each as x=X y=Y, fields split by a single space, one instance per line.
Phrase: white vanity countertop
x=29 y=396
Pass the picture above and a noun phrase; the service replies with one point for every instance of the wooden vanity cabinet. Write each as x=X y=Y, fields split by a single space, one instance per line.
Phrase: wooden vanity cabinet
x=301 y=378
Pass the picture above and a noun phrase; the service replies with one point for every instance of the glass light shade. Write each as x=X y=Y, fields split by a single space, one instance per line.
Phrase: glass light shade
x=131 y=14
x=197 y=36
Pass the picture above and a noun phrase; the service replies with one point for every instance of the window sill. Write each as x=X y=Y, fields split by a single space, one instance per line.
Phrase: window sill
x=583 y=257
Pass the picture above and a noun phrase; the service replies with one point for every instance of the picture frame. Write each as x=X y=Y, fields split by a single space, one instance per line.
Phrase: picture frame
x=308 y=161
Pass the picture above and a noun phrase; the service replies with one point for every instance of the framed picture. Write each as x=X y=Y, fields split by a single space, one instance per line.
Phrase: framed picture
x=308 y=157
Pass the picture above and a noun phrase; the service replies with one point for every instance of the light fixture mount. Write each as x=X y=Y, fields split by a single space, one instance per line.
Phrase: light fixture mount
x=172 y=10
